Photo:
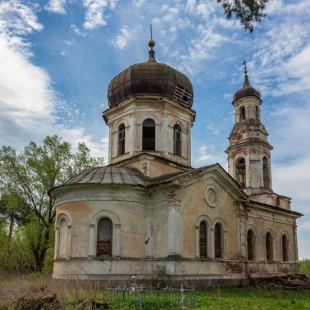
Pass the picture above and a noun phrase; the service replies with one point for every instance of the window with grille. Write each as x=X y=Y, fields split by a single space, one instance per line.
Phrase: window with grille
x=104 y=237
x=250 y=244
x=177 y=140
x=284 y=248
x=268 y=246
x=203 y=239
x=218 y=240
x=121 y=140
x=148 y=135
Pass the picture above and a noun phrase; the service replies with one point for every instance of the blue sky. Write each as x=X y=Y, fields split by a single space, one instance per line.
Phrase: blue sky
x=58 y=57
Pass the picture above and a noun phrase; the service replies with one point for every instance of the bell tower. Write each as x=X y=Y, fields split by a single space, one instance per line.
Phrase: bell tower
x=249 y=160
x=150 y=118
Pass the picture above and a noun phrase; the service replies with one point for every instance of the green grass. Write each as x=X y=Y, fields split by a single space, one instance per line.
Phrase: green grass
x=253 y=299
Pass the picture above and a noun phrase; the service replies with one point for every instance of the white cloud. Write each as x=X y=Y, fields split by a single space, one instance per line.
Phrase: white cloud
x=26 y=98
x=190 y=5
x=29 y=107
x=95 y=15
x=274 y=7
x=122 y=38
x=299 y=67
x=290 y=130
x=77 y=31
x=138 y=3
x=205 y=155
x=56 y=6
x=205 y=9
x=17 y=19
x=291 y=179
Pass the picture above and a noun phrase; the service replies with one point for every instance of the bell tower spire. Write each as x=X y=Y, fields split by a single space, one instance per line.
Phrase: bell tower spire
x=249 y=159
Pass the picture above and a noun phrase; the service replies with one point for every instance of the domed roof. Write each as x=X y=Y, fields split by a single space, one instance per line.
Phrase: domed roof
x=107 y=175
x=150 y=78
x=247 y=89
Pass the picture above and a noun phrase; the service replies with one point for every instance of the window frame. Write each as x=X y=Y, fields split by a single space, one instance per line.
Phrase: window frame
x=250 y=244
x=242 y=114
x=104 y=247
x=177 y=140
x=148 y=135
x=266 y=177
x=240 y=166
x=203 y=239
x=218 y=240
x=284 y=247
x=121 y=139
x=269 y=246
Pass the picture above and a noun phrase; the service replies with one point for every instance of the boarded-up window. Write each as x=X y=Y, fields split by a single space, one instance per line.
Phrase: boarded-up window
x=121 y=140
x=268 y=246
x=250 y=244
x=177 y=140
x=63 y=238
x=218 y=240
x=203 y=239
x=104 y=237
x=284 y=248
x=148 y=135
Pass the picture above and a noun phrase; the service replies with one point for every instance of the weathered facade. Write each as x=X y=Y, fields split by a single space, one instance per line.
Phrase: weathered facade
x=150 y=208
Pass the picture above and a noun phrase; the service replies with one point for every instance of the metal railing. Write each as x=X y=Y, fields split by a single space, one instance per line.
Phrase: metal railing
x=140 y=297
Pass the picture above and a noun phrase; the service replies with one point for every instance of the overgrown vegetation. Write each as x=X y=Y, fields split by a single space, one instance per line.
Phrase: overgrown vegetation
x=27 y=213
x=305 y=267
x=71 y=294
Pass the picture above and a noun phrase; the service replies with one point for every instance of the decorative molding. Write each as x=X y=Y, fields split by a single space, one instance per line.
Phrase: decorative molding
x=211 y=195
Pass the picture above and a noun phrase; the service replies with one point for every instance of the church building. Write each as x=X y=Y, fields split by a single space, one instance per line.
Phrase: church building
x=149 y=208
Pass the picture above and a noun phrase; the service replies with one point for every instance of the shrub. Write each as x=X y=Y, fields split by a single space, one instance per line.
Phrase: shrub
x=305 y=266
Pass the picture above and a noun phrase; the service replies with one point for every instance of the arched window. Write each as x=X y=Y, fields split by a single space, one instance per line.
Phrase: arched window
x=63 y=238
x=241 y=171
x=266 y=178
x=242 y=113
x=203 y=239
x=104 y=237
x=218 y=235
x=269 y=247
x=284 y=248
x=250 y=244
x=148 y=135
x=121 y=140
x=257 y=112
x=177 y=140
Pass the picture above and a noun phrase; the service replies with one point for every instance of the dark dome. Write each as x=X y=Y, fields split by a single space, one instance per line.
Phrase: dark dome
x=246 y=90
x=150 y=78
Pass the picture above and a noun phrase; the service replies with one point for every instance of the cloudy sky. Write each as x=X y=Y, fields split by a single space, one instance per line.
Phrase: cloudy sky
x=57 y=58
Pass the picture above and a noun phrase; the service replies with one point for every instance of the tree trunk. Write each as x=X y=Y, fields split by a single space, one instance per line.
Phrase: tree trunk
x=11 y=227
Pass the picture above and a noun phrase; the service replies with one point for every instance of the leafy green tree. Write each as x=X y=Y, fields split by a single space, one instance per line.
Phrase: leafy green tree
x=31 y=173
x=13 y=209
x=247 y=11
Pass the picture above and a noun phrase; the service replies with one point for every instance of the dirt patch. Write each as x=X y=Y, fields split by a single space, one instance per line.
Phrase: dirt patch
x=288 y=282
x=38 y=298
